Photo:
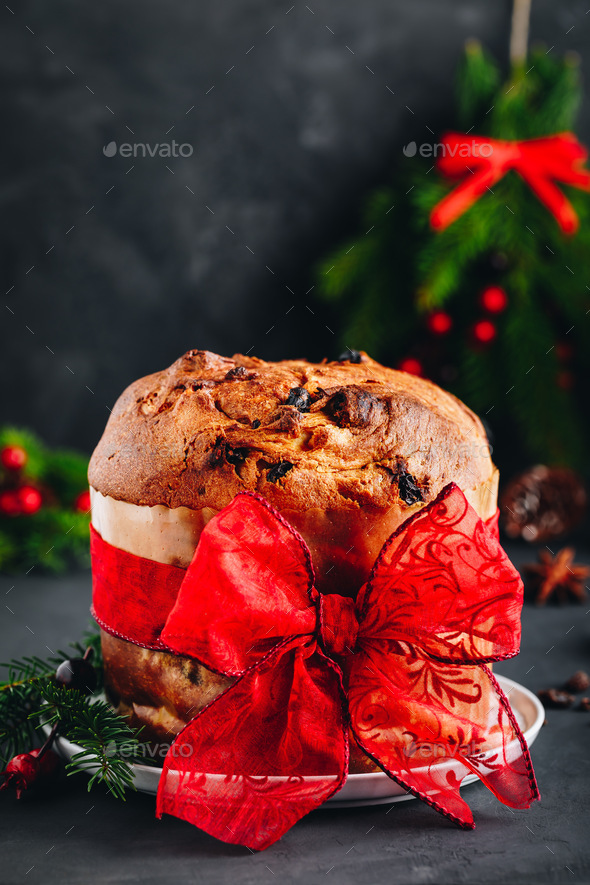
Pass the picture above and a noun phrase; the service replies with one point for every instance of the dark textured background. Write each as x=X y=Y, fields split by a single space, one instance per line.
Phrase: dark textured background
x=116 y=271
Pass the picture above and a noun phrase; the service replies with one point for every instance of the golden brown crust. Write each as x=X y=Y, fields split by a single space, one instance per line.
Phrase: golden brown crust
x=189 y=436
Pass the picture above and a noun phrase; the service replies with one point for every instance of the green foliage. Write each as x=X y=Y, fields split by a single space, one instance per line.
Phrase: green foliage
x=97 y=729
x=387 y=280
x=30 y=699
x=19 y=696
x=57 y=535
x=477 y=84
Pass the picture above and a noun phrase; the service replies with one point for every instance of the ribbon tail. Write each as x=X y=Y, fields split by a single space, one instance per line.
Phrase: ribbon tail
x=507 y=770
x=429 y=724
x=436 y=785
x=554 y=200
x=463 y=197
x=262 y=755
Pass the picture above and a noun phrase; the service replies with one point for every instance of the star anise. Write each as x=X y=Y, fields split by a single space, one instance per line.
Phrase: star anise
x=558 y=576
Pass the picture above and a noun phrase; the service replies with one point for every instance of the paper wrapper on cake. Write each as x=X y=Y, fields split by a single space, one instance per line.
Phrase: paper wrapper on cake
x=360 y=450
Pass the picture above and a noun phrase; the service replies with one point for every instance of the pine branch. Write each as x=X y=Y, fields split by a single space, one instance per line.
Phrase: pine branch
x=19 y=695
x=103 y=735
x=30 y=698
x=25 y=670
x=17 y=732
x=477 y=82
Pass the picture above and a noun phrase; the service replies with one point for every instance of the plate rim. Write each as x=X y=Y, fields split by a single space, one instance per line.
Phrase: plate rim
x=67 y=749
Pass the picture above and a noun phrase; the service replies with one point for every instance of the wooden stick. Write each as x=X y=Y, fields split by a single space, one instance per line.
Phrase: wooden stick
x=519 y=32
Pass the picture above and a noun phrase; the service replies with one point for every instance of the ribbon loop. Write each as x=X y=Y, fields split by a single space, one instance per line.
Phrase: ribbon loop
x=248 y=588
x=339 y=624
x=443 y=584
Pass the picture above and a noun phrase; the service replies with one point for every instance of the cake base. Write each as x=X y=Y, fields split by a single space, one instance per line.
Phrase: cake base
x=161 y=692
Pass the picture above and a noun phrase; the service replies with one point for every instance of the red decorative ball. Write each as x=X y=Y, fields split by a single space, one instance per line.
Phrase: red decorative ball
x=29 y=499
x=9 y=503
x=484 y=331
x=411 y=365
x=564 y=351
x=494 y=299
x=82 y=503
x=565 y=379
x=13 y=457
x=21 y=772
x=25 y=769
x=439 y=322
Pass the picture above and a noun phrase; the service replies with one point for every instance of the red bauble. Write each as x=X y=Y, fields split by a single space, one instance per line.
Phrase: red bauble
x=29 y=499
x=82 y=502
x=21 y=772
x=25 y=769
x=439 y=322
x=564 y=351
x=9 y=503
x=484 y=331
x=565 y=379
x=411 y=365
x=494 y=299
x=13 y=457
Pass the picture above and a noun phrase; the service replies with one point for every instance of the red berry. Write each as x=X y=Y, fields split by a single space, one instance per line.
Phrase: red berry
x=565 y=379
x=22 y=771
x=439 y=322
x=13 y=457
x=9 y=503
x=484 y=331
x=411 y=365
x=25 y=769
x=49 y=761
x=564 y=351
x=30 y=499
x=82 y=503
x=494 y=299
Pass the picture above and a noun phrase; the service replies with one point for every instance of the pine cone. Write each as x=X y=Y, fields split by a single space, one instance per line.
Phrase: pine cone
x=542 y=503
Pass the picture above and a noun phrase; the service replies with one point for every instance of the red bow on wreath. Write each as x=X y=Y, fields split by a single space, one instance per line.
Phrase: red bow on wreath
x=539 y=161
x=401 y=668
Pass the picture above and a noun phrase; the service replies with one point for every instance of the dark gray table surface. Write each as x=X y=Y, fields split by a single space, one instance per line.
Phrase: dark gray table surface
x=75 y=837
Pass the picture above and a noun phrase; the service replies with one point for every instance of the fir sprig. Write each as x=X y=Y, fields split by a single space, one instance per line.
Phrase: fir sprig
x=30 y=699
x=19 y=696
x=94 y=726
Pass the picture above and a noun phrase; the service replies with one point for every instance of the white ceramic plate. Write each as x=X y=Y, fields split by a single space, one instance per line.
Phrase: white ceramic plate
x=372 y=788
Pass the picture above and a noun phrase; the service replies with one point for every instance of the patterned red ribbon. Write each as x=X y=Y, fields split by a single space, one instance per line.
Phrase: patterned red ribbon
x=402 y=669
x=539 y=161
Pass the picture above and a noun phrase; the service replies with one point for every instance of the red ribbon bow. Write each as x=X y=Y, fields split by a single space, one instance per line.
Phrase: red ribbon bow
x=402 y=669
x=539 y=161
